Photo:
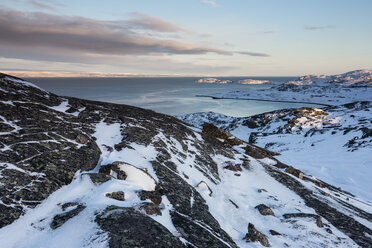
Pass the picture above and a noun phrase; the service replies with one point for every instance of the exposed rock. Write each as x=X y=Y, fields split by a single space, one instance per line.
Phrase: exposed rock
x=112 y=169
x=61 y=219
x=68 y=204
x=317 y=183
x=233 y=203
x=226 y=137
x=261 y=190
x=109 y=148
x=264 y=210
x=130 y=228
x=273 y=232
x=118 y=195
x=294 y=172
x=258 y=152
x=82 y=139
x=254 y=235
x=154 y=196
x=317 y=218
x=98 y=178
x=233 y=167
x=151 y=208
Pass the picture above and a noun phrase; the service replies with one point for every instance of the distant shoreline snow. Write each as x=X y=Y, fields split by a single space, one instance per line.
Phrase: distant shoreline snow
x=226 y=81
x=212 y=81
x=324 y=90
x=252 y=81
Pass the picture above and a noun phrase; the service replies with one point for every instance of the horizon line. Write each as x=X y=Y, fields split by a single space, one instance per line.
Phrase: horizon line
x=66 y=74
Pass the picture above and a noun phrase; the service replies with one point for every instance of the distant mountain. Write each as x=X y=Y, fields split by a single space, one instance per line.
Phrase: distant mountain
x=79 y=173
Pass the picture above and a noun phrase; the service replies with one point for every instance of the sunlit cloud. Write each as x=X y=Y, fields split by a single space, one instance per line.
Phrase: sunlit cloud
x=254 y=54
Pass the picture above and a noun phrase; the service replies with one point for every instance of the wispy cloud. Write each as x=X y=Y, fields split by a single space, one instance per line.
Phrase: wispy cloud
x=143 y=21
x=253 y=54
x=46 y=5
x=318 y=27
x=41 y=5
x=210 y=2
x=268 y=32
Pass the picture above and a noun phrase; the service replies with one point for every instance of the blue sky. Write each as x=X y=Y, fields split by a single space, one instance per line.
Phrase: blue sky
x=187 y=37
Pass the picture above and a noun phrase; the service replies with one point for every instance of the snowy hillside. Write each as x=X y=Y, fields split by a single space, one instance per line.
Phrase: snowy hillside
x=329 y=90
x=357 y=78
x=79 y=173
x=333 y=144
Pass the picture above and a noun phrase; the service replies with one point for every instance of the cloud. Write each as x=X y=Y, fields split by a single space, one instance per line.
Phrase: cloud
x=254 y=54
x=86 y=35
x=268 y=32
x=318 y=27
x=144 y=21
x=48 y=41
x=210 y=2
x=41 y=5
x=48 y=5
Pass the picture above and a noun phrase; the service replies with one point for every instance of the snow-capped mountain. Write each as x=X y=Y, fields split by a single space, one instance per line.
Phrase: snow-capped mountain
x=79 y=173
x=329 y=90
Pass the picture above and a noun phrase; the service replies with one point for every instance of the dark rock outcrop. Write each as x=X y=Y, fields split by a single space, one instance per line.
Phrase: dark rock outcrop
x=254 y=235
x=317 y=218
x=130 y=228
x=264 y=210
x=118 y=195
x=60 y=219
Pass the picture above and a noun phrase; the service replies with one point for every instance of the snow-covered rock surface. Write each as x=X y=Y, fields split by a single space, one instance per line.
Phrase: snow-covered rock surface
x=330 y=90
x=212 y=81
x=333 y=144
x=78 y=173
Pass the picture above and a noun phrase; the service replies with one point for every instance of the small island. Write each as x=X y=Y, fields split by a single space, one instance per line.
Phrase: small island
x=252 y=81
x=213 y=81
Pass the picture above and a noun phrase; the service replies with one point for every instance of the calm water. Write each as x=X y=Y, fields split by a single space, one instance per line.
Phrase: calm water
x=174 y=96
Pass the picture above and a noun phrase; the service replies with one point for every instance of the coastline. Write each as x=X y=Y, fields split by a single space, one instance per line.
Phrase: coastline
x=263 y=100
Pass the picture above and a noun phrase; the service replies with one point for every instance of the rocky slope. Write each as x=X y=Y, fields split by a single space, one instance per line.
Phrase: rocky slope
x=333 y=143
x=78 y=173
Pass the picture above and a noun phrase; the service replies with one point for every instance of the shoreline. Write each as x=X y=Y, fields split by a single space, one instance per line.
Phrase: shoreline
x=262 y=100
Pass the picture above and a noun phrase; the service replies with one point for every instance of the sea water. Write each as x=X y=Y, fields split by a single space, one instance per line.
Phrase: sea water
x=174 y=96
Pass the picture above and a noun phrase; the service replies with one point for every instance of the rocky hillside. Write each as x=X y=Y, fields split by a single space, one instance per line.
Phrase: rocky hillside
x=78 y=173
x=333 y=143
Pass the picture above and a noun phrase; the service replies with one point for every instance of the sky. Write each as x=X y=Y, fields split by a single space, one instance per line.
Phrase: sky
x=186 y=37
